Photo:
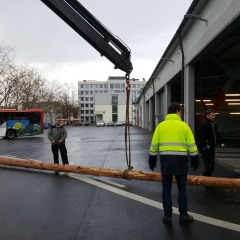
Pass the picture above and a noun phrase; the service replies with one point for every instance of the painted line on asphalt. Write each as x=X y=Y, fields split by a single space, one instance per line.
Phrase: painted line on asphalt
x=34 y=160
x=8 y=156
x=198 y=217
x=109 y=182
x=11 y=156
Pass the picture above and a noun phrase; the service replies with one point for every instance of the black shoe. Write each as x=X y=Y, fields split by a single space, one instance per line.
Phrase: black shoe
x=167 y=220
x=185 y=219
x=56 y=172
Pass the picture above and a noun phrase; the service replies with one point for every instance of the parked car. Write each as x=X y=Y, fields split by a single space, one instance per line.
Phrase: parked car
x=47 y=125
x=123 y=122
x=118 y=123
x=110 y=124
x=50 y=124
x=101 y=123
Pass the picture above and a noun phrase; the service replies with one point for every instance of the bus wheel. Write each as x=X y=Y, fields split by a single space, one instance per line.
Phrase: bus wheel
x=10 y=134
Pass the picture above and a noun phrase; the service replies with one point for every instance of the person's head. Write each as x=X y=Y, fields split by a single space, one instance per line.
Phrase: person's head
x=174 y=108
x=210 y=114
x=57 y=121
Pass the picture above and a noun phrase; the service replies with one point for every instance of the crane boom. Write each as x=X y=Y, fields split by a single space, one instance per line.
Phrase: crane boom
x=93 y=31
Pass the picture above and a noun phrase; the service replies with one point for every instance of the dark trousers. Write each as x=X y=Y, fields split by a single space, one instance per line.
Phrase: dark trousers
x=208 y=161
x=182 y=194
x=63 y=152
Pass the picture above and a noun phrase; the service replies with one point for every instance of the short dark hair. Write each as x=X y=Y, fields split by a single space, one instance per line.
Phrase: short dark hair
x=174 y=106
x=57 y=117
x=209 y=111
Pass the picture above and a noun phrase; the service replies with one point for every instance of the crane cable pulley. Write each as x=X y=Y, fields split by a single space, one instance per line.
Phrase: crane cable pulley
x=127 y=130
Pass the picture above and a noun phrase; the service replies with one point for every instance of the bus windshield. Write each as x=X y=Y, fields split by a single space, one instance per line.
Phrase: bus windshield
x=15 y=123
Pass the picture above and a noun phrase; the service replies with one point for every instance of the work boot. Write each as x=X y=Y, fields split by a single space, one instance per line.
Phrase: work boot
x=167 y=220
x=185 y=219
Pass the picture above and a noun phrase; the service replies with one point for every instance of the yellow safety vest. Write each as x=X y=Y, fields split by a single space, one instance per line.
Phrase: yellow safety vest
x=173 y=137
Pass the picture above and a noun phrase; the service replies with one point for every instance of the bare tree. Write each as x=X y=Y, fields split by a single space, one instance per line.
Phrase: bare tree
x=67 y=101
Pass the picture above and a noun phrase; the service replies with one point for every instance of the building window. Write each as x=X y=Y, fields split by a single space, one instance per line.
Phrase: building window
x=82 y=105
x=105 y=91
x=105 y=86
x=82 y=111
x=91 y=105
x=100 y=91
x=86 y=92
x=114 y=99
x=91 y=85
x=82 y=92
x=100 y=85
x=82 y=99
x=87 y=111
x=114 y=108
x=81 y=86
x=122 y=85
x=111 y=85
x=91 y=92
x=117 y=85
x=96 y=91
x=87 y=105
x=114 y=117
x=133 y=85
x=91 y=98
x=86 y=99
x=86 y=85
x=91 y=111
x=87 y=119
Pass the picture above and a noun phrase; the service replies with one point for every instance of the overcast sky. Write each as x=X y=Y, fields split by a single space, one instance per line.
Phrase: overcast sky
x=43 y=40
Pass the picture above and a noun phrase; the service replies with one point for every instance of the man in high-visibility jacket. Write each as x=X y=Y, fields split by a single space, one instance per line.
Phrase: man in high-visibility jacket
x=174 y=141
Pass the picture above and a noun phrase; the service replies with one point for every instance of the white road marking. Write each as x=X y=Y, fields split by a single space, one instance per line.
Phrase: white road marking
x=34 y=160
x=9 y=156
x=201 y=218
x=112 y=183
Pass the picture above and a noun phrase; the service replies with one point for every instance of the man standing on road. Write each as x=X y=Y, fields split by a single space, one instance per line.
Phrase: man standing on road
x=57 y=135
x=208 y=136
x=174 y=140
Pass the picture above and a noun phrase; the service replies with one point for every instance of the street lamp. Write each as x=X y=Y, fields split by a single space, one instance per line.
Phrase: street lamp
x=196 y=17
x=167 y=59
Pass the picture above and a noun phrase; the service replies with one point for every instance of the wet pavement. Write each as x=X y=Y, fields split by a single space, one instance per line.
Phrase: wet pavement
x=37 y=204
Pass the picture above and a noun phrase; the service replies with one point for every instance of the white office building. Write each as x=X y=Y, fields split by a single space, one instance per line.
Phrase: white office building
x=107 y=99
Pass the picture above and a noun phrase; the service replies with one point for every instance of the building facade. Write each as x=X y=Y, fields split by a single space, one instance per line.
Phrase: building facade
x=107 y=99
x=199 y=69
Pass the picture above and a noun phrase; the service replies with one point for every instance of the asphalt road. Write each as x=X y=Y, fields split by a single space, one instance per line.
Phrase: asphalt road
x=37 y=204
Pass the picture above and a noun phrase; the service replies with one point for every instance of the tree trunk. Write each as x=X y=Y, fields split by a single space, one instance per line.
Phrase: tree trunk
x=116 y=173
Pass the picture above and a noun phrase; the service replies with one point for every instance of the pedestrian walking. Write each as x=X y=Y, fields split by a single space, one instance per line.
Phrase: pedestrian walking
x=57 y=135
x=207 y=138
x=174 y=141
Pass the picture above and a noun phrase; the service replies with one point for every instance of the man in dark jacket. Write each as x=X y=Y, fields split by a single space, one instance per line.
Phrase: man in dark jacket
x=57 y=135
x=208 y=137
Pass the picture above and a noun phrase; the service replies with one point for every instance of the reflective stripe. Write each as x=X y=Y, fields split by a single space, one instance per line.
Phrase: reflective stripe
x=153 y=153
x=172 y=144
x=191 y=145
x=193 y=153
x=154 y=146
x=174 y=153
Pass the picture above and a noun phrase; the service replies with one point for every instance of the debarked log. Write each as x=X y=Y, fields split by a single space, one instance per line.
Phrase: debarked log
x=116 y=173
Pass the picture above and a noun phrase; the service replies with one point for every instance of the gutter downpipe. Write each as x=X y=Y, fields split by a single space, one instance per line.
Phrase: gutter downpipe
x=182 y=75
